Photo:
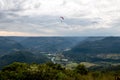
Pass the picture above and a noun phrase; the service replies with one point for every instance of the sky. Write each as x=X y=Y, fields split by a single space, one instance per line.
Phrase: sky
x=42 y=17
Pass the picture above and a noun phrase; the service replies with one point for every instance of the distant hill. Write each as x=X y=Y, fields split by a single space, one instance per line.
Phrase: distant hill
x=7 y=45
x=50 y=44
x=88 y=50
x=106 y=45
x=94 y=38
x=21 y=56
x=37 y=44
x=16 y=38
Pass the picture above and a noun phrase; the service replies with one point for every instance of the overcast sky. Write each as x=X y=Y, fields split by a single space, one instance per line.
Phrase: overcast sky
x=42 y=17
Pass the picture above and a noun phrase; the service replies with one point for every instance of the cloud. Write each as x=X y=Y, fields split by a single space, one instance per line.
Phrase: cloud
x=41 y=17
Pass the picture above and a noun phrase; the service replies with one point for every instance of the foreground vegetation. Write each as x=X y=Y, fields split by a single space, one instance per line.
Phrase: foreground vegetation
x=50 y=71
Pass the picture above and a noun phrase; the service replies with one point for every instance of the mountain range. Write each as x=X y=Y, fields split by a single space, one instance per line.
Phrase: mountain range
x=29 y=49
x=38 y=44
x=78 y=49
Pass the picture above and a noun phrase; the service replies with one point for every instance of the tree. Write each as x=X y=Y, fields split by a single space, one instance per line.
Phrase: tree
x=81 y=69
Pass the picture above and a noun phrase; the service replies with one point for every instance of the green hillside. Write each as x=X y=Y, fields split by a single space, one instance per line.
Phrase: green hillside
x=92 y=50
x=7 y=45
x=21 y=56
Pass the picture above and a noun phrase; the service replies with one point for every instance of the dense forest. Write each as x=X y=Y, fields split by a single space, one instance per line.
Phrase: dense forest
x=50 y=71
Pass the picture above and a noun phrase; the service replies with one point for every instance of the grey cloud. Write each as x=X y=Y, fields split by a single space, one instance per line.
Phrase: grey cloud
x=51 y=20
x=98 y=32
x=37 y=5
x=82 y=22
x=6 y=17
x=115 y=23
x=19 y=28
x=39 y=20
x=27 y=24
x=2 y=15
x=18 y=5
x=64 y=3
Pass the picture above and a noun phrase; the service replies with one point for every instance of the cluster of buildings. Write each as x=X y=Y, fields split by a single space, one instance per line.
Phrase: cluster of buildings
x=58 y=58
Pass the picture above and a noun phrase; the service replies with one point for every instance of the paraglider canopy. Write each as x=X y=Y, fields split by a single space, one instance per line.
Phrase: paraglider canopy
x=61 y=19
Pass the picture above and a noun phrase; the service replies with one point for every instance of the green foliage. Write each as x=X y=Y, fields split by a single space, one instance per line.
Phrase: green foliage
x=14 y=71
x=16 y=66
x=81 y=69
x=50 y=71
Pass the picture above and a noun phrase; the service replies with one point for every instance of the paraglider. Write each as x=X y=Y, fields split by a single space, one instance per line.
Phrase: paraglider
x=61 y=19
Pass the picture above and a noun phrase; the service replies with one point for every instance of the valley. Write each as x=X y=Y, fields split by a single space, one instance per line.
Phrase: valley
x=67 y=51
